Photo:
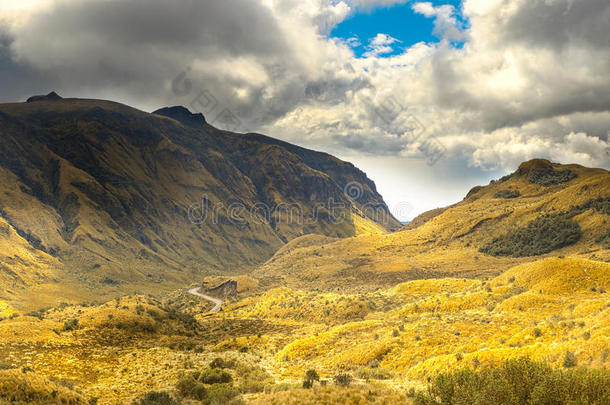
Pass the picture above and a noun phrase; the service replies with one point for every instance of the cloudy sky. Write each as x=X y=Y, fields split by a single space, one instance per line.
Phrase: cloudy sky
x=429 y=98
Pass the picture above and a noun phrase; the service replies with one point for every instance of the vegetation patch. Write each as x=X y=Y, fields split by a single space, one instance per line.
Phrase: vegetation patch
x=540 y=236
x=26 y=387
x=546 y=233
x=604 y=240
x=157 y=398
x=518 y=382
x=507 y=194
x=546 y=176
x=223 y=381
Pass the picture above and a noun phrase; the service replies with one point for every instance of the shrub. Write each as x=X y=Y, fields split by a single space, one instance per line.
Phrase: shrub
x=507 y=194
x=220 y=394
x=40 y=313
x=343 y=380
x=547 y=176
x=185 y=386
x=253 y=379
x=519 y=382
x=540 y=236
x=157 y=398
x=199 y=392
x=71 y=324
x=570 y=360
x=214 y=376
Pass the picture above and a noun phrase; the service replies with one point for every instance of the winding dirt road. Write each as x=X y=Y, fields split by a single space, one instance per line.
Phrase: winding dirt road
x=217 y=303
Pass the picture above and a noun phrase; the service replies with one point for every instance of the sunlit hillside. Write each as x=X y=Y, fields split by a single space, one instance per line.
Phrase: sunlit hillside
x=538 y=206
x=100 y=200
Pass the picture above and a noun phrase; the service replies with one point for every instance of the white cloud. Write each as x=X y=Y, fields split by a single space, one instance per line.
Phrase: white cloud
x=446 y=24
x=380 y=45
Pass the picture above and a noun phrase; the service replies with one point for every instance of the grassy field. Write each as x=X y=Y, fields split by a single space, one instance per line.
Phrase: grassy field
x=377 y=346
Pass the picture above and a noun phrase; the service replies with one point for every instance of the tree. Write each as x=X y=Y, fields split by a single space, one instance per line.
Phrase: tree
x=310 y=377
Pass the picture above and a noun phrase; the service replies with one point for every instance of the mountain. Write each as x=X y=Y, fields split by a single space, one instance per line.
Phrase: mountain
x=542 y=209
x=103 y=198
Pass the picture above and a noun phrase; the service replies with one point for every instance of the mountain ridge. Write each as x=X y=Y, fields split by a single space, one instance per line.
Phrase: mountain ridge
x=114 y=196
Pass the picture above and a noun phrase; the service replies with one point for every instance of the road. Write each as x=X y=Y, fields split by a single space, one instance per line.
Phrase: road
x=217 y=303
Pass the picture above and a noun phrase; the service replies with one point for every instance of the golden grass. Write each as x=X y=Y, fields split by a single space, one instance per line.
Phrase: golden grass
x=331 y=395
x=26 y=387
x=402 y=335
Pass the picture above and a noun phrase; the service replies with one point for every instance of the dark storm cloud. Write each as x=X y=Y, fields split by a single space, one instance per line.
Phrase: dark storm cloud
x=240 y=27
x=129 y=49
x=17 y=79
x=559 y=23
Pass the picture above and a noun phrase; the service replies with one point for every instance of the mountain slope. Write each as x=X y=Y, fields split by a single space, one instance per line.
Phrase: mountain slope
x=111 y=198
x=541 y=209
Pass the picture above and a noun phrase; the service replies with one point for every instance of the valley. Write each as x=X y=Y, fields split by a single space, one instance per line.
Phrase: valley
x=114 y=293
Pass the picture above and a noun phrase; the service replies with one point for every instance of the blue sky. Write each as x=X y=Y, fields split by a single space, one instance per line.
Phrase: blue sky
x=398 y=21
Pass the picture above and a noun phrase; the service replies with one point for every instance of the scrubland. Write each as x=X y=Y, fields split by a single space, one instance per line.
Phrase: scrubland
x=383 y=346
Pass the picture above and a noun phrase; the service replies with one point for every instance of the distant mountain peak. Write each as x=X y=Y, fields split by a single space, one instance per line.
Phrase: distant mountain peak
x=52 y=96
x=183 y=115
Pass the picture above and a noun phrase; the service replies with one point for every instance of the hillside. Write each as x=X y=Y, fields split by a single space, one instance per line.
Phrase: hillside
x=541 y=209
x=100 y=198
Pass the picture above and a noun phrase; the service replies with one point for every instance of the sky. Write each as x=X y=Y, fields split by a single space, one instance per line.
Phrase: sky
x=428 y=98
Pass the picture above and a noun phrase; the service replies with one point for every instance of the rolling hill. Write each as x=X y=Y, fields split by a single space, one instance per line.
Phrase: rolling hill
x=541 y=209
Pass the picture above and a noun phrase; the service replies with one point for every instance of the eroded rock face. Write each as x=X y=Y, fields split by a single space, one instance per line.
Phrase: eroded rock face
x=226 y=289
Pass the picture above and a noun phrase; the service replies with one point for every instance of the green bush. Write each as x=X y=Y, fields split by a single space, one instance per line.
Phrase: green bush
x=157 y=398
x=222 y=363
x=547 y=233
x=518 y=382
x=570 y=360
x=540 y=236
x=548 y=176
x=253 y=378
x=214 y=376
x=220 y=394
x=71 y=324
x=507 y=194
x=186 y=386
